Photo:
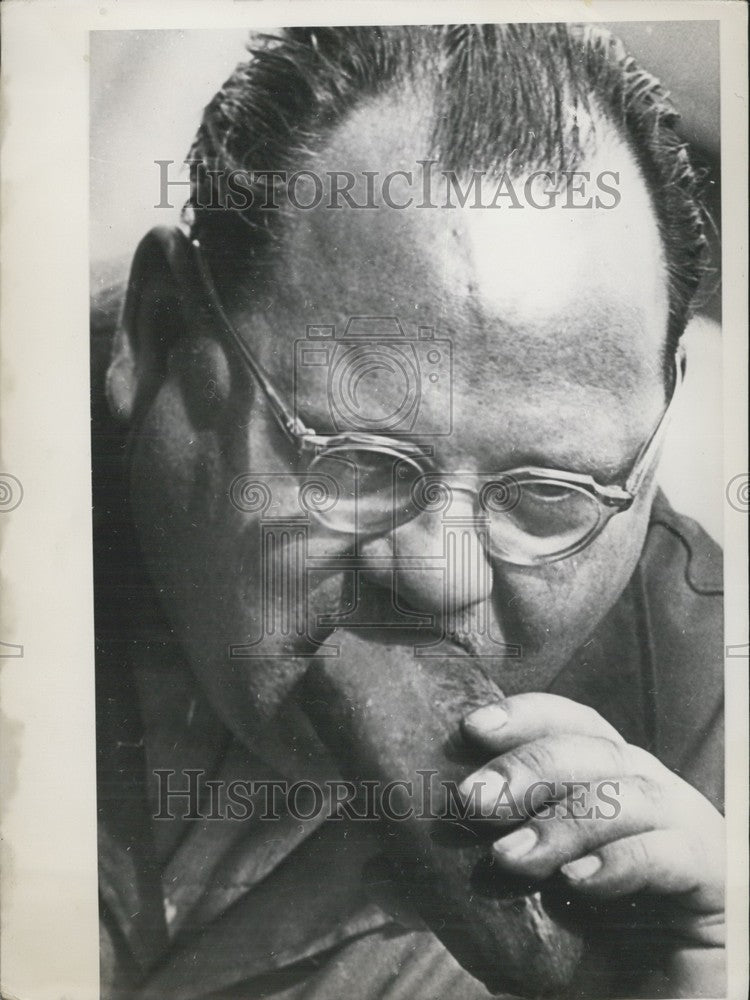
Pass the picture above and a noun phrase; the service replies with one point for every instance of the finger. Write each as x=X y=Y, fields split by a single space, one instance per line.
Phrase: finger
x=657 y=861
x=523 y=717
x=518 y=783
x=600 y=814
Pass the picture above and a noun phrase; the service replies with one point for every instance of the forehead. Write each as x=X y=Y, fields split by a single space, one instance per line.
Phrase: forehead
x=563 y=305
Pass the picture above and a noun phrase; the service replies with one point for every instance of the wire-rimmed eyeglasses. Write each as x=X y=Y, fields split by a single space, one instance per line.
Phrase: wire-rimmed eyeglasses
x=531 y=514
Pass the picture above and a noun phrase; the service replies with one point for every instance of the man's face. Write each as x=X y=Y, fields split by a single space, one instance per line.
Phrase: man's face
x=556 y=319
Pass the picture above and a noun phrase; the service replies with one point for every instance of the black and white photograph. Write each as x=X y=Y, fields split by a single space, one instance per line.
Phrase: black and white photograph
x=409 y=356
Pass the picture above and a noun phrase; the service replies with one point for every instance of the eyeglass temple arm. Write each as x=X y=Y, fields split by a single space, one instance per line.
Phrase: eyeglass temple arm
x=649 y=451
x=292 y=426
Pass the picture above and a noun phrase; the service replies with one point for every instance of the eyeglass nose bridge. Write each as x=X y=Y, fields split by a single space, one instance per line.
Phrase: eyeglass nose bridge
x=457 y=499
x=490 y=495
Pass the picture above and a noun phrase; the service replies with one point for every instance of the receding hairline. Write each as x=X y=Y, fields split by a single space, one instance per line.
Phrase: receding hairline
x=493 y=84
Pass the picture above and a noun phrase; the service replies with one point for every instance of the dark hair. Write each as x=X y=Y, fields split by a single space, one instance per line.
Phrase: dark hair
x=493 y=88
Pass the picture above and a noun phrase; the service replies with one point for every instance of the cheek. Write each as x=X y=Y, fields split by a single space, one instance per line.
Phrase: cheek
x=553 y=609
x=199 y=372
x=199 y=499
x=179 y=494
x=181 y=459
x=205 y=556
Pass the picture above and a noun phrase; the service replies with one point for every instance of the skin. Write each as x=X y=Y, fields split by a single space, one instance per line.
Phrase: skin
x=557 y=320
x=663 y=840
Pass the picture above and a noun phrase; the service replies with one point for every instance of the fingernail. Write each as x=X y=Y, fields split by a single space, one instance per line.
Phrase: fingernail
x=491 y=786
x=518 y=843
x=487 y=719
x=583 y=868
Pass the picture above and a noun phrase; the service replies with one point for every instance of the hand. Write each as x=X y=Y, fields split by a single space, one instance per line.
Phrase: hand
x=572 y=796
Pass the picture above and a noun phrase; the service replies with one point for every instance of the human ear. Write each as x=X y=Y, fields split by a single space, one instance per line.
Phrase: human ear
x=156 y=311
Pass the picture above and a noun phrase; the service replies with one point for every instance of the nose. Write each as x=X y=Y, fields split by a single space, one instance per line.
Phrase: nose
x=439 y=560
